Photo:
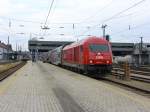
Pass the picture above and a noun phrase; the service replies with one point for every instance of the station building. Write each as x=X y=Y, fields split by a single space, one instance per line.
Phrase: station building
x=119 y=49
x=5 y=50
x=142 y=54
x=39 y=49
x=122 y=49
x=45 y=46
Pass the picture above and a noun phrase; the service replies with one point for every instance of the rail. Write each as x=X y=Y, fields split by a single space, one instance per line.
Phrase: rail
x=135 y=88
x=123 y=72
x=7 y=62
x=4 y=74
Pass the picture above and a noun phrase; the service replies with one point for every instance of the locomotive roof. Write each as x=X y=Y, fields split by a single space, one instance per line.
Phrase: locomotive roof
x=93 y=39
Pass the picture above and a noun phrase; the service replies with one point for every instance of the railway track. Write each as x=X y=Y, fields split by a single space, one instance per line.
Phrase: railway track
x=140 y=72
x=7 y=62
x=128 y=86
x=4 y=74
x=143 y=76
x=141 y=91
x=139 y=79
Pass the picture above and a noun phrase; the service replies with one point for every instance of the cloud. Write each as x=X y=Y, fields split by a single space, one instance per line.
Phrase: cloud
x=5 y=7
x=84 y=12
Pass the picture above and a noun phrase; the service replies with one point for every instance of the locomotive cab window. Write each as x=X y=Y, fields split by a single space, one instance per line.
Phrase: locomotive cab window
x=98 y=48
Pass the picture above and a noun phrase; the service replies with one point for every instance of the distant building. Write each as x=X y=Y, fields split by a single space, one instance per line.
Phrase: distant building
x=5 y=50
x=45 y=46
x=38 y=48
x=122 y=49
x=142 y=55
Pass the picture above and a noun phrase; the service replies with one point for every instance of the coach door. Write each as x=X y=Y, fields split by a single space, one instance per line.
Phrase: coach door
x=76 y=54
x=81 y=54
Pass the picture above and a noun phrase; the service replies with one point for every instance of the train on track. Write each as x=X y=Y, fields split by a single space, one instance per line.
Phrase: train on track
x=90 y=55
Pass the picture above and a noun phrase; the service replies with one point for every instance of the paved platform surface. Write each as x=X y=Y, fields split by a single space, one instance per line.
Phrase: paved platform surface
x=41 y=87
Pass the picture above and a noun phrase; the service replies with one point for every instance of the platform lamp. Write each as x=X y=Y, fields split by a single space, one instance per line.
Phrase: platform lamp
x=104 y=30
x=45 y=28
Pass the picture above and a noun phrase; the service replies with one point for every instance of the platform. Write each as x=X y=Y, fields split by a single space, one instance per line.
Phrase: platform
x=41 y=87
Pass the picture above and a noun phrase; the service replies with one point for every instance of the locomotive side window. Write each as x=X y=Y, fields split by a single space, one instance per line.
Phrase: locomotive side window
x=99 y=48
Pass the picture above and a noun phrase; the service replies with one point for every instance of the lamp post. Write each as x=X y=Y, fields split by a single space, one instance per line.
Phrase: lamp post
x=103 y=28
x=8 y=46
x=140 y=51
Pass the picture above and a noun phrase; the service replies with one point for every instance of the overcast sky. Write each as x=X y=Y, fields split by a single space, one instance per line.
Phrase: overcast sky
x=27 y=17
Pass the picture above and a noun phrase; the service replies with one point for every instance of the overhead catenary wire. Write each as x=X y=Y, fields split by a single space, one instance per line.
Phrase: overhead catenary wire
x=71 y=23
x=116 y=15
x=98 y=12
x=34 y=22
x=49 y=12
x=123 y=11
x=54 y=9
x=134 y=5
x=127 y=29
x=20 y=20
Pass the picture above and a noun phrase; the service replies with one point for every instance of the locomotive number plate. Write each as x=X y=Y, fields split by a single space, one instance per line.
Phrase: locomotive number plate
x=99 y=57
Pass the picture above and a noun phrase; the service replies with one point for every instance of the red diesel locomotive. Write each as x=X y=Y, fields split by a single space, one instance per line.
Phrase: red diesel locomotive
x=91 y=55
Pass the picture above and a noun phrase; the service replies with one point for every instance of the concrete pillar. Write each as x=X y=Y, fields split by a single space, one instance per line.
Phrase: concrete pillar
x=140 y=59
x=149 y=59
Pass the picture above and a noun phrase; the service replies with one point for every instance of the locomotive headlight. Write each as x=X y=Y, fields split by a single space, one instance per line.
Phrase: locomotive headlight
x=91 y=61
x=107 y=62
